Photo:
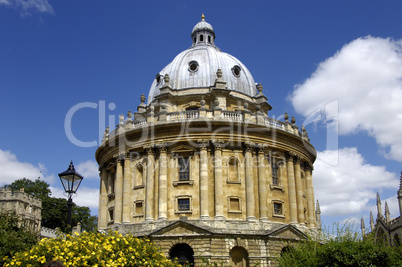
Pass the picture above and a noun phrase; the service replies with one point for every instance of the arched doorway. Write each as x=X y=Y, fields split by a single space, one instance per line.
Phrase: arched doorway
x=238 y=257
x=184 y=254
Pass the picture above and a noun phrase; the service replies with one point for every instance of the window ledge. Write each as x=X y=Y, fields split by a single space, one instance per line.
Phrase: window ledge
x=235 y=211
x=278 y=215
x=139 y=186
x=110 y=222
x=188 y=182
x=277 y=187
x=233 y=182
x=184 y=211
x=138 y=215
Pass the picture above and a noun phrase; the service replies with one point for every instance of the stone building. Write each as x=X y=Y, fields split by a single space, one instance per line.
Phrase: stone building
x=201 y=168
x=26 y=206
x=386 y=230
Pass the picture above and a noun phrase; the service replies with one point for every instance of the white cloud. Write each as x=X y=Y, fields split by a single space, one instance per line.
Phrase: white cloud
x=26 y=7
x=89 y=169
x=12 y=169
x=87 y=197
x=345 y=189
x=365 y=77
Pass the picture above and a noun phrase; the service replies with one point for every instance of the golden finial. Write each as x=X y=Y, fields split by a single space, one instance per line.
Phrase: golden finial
x=202 y=16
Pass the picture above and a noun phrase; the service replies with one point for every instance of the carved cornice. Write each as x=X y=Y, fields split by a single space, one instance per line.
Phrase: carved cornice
x=290 y=155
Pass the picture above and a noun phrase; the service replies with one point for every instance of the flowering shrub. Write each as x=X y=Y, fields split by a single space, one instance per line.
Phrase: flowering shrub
x=92 y=249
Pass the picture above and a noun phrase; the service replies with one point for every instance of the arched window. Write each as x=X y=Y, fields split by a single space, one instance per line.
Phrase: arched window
x=238 y=257
x=275 y=173
x=139 y=175
x=397 y=240
x=209 y=39
x=183 y=253
x=233 y=169
x=201 y=38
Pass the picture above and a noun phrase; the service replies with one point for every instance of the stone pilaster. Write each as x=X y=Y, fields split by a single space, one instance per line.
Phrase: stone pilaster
x=218 y=180
x=102 y=212
x=291 y=188
x=127 y=190
x=262 y=185
x=250 y=199
x=110 y=183
x=149 y=187
x=310 y=197
x=204 y=210
x=118 y=189
x=163 y=196
x=299 y=190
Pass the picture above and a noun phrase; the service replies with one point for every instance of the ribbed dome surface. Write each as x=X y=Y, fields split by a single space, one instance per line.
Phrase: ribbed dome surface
x=196 y=67
x=202 y=25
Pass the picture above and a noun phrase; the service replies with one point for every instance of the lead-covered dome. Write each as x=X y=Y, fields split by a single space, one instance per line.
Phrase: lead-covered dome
x=196 y=67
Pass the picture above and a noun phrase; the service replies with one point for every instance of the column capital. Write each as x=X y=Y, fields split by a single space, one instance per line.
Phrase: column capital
x=218 y=144
x=308 y=167
x=162 y=147
x=290 y=155
x=203 y=143
x=261 y=148
x=248 y=146
x=297 y=158
x=148 y=149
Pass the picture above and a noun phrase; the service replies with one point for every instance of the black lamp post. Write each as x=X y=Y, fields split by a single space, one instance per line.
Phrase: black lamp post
x=71 y=180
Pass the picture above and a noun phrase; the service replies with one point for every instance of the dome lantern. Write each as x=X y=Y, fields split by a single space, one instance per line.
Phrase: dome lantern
x=203 y=33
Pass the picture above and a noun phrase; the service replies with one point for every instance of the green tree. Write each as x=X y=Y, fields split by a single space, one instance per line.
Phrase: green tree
x=54 y=210
x=342 y=247
x=15 y=236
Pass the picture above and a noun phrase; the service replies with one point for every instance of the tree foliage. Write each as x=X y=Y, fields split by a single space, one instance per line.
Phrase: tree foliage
x=54 y=210
x=15 y=236
x=93 y=249
x=343 y=247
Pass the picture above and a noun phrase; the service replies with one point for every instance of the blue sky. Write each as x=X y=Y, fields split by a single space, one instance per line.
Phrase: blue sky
x=335 y=65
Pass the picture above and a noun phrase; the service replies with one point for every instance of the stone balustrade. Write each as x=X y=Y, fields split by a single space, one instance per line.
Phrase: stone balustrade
x=209 y=115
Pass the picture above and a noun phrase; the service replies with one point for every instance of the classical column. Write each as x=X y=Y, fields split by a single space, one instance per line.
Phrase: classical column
x=310 y=196
x=118 y=189
x=149 y=193
x=299 y=190
x=109 y=183
x=250 y=201
x=204 y=211
x=102 y=212
x=218 y=181
x=262 y=185
x=291 y=187
x=127 y=190
x=163 y=197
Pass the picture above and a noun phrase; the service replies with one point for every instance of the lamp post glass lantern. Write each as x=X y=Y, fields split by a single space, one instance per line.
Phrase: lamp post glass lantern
x=71 y=180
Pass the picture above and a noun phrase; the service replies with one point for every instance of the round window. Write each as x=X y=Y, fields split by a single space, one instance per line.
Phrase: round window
x=193 y=66
x=236 y=71
x=158 y=78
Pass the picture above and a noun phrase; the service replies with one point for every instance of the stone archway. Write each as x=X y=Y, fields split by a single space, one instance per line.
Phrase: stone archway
x=238 y=257
x=184 y=254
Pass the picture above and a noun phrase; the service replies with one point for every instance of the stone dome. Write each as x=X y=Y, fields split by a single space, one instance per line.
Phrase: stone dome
x=196 y=67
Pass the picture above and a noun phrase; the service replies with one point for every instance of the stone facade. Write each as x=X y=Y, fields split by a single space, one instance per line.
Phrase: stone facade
x=26 y=206
x=203 y=170
x=386 y=230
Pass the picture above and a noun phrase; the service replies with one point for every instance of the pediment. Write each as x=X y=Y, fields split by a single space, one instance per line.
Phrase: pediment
x=287 y=232
x=180 y=228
